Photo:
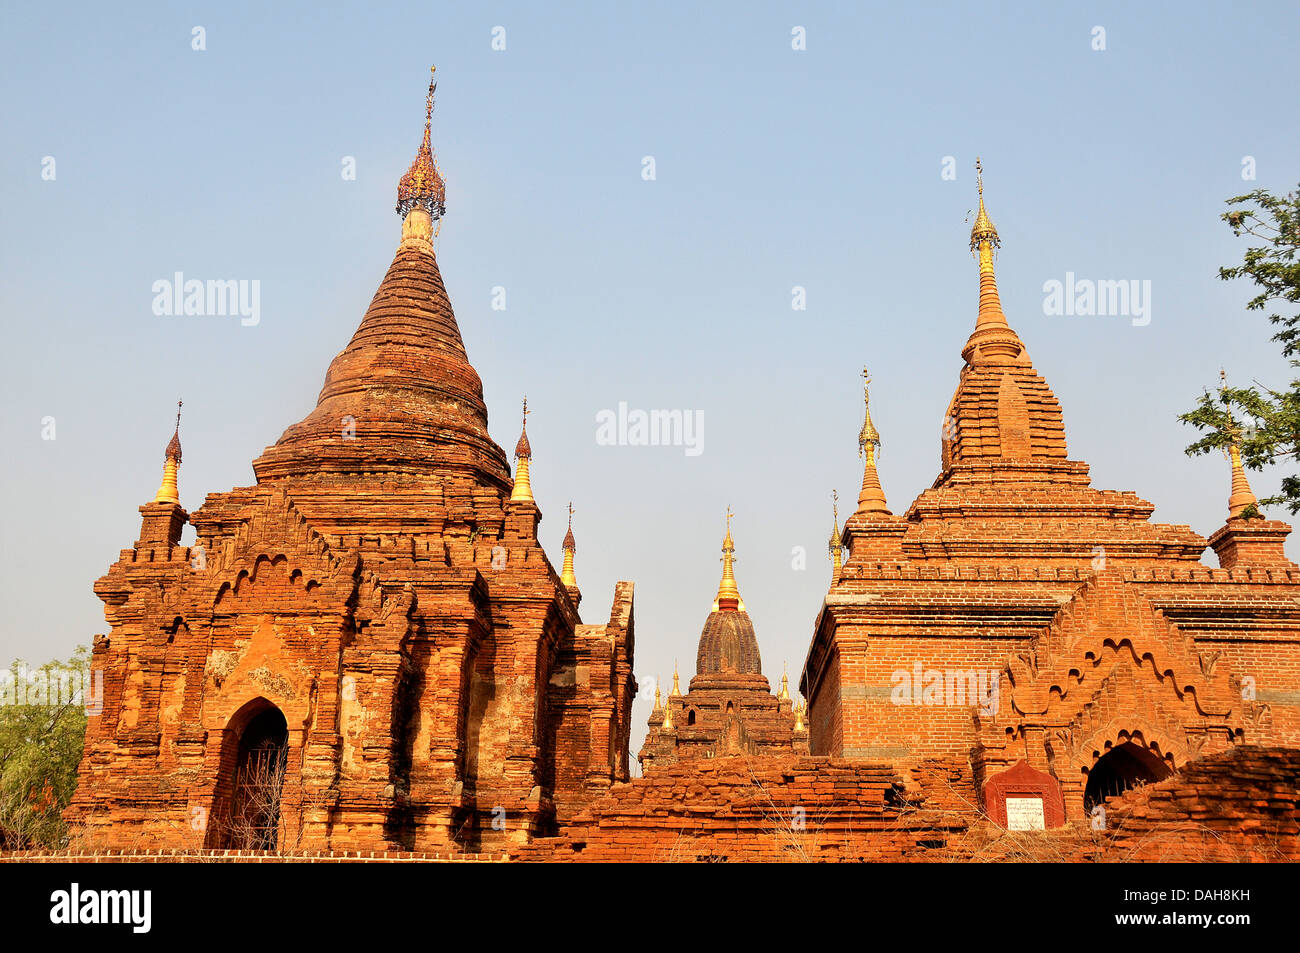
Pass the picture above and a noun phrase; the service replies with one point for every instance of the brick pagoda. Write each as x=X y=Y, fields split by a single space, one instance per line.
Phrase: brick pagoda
x=368 y=648
x=1016 y=613
x=729 y=708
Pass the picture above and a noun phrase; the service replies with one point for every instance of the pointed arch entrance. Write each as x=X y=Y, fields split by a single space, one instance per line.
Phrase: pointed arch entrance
x=1121 y=768
x=254 y=760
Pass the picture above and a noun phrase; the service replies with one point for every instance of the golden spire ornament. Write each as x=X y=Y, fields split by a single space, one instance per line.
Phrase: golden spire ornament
x=523 y=489
x=421 y=192
x=728 y=598
x=836 y=543
x=677 y=690
x=167 y=490
x=785 y=684
x=872 y=497
x=992 y=335
x=983 y=241
x=566 y=574
x=659 y=704
x=1242 y=498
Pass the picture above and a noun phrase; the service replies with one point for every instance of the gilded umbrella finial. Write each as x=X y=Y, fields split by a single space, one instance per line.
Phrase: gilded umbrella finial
x=422 y=186
x=523 y=489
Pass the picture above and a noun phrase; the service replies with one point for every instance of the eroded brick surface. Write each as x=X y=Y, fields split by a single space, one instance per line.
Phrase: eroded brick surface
x=378 y=587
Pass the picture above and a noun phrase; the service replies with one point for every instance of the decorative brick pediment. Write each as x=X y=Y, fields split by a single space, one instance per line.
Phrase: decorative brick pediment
x=1109 y=624
x=277 y=530
x=1112 y=669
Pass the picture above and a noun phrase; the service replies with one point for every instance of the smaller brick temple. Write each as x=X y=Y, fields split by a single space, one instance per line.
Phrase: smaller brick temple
x=729 y=707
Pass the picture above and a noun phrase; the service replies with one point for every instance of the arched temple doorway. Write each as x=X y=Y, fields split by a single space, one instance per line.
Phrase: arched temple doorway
x=255 y=782
x=1123 y=767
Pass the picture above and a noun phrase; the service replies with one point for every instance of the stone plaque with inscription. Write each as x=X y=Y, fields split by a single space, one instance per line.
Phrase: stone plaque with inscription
x=1024 y=799
x=1025 y=814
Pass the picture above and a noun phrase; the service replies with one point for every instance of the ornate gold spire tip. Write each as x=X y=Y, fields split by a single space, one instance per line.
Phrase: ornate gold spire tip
x=869 y=435
x=983 y=230
x=174 y=445
x=872 y=496
x=992 y=340
x=566 y=574
x=728 y=597
x=569 y=543
x=167 y=490
x=523 y=489
x=836 y=544
x=422 y=186
x=1242 y=497
x=523 y=449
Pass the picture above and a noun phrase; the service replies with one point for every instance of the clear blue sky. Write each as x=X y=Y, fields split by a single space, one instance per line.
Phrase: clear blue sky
x=775 y=168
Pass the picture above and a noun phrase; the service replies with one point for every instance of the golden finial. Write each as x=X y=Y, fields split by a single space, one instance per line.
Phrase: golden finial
x=836 y=544
x=800 y=711
x=677 y=691
x=1242 y=498
x=872 y=497
x=785 y=683
x=422 y=188
x=869 y=436
x=523 y=489
x=167 y=490
x=728 y=597
x=659 y=704
x=983 y=231
x=566 y=574
x=992 y=337
x=668 y=716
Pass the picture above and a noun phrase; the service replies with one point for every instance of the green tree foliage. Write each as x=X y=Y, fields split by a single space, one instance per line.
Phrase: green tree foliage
x=41 y=733
x=1265 y=422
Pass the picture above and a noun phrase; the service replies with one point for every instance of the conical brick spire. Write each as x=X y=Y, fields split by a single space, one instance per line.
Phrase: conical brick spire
x=1242 y=497
x=1002 y=410
x=401 y=397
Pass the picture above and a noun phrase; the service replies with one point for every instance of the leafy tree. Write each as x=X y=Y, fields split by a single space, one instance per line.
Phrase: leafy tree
x=1263 y=421
x=42 y=729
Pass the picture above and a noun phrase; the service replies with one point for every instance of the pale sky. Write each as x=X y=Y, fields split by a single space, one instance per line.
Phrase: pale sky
x=775 y=169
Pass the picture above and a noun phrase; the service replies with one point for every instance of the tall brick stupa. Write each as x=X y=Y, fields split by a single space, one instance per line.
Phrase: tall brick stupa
x=1015 y=613
x=367 y=648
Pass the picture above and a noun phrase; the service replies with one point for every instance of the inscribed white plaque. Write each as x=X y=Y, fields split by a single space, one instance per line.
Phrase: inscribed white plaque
x=1025 y=814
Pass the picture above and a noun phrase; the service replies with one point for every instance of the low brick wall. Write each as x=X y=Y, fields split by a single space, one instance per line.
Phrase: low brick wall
x=1240 y=805
x=755 y=809
x=239 y=857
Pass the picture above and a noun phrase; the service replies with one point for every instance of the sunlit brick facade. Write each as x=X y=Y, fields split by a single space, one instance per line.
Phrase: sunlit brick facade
x=1097 y=630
